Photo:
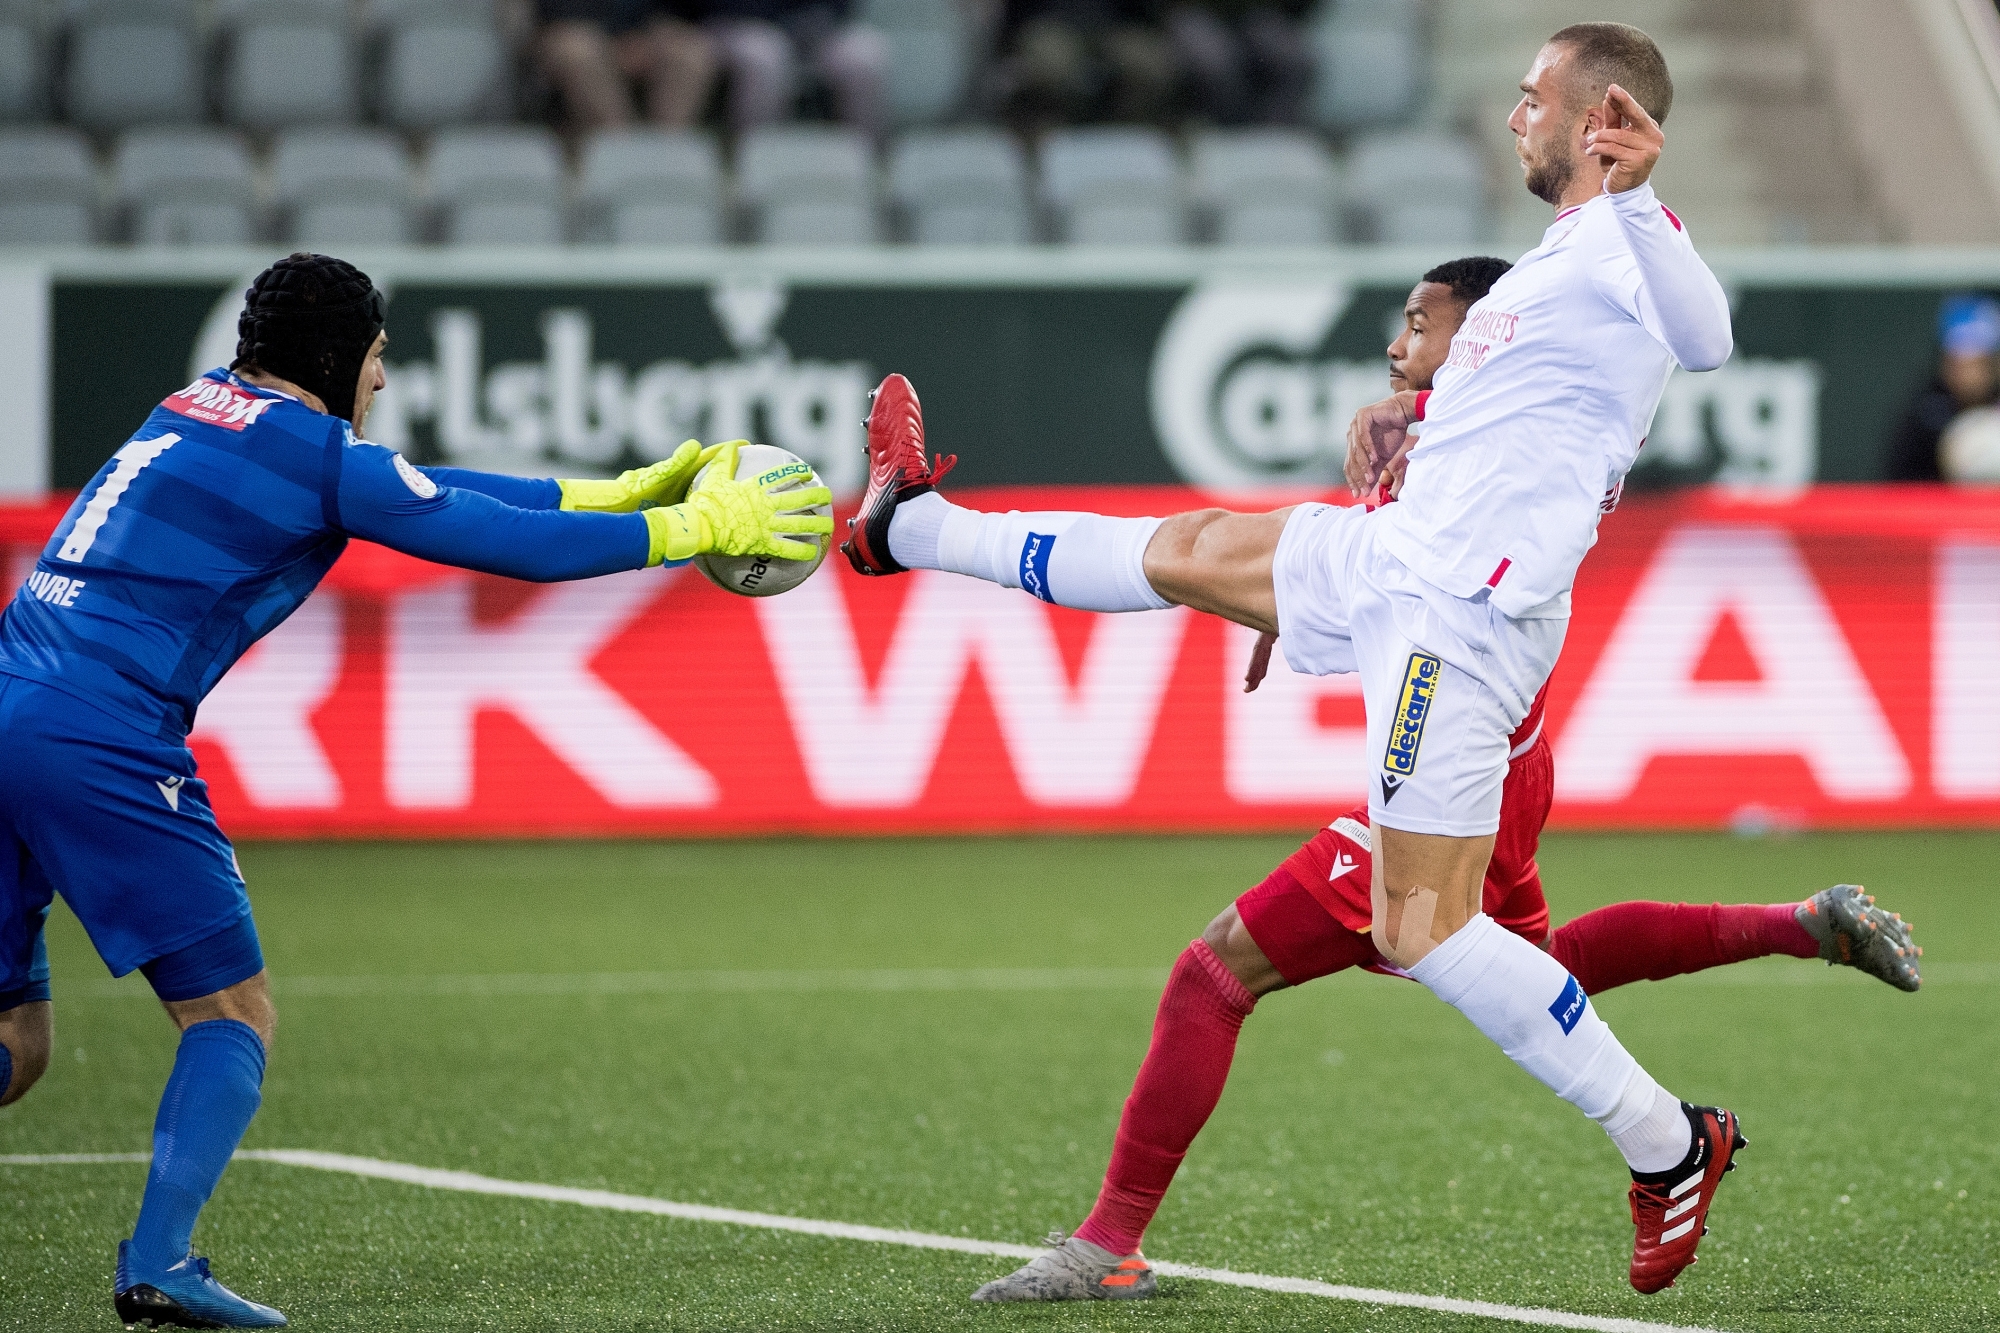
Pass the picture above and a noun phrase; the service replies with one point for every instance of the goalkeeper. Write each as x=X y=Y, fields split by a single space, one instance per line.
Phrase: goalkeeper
x=209 y=527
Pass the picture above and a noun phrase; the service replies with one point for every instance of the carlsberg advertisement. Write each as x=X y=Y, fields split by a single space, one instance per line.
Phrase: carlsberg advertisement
x=1237 y=381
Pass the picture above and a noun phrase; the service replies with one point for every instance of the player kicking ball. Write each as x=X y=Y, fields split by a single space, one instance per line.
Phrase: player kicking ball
x=209 y=527
x=1311 y=918
x=1451 y=604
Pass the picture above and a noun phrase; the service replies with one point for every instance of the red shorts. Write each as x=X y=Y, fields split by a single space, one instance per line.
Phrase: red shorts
x=1312 y=916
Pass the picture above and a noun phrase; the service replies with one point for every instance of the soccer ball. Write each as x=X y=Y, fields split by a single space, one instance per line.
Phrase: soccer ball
x=763 y=575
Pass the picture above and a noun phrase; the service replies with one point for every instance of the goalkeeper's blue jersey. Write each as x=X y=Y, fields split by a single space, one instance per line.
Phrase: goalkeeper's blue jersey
x=223 y=512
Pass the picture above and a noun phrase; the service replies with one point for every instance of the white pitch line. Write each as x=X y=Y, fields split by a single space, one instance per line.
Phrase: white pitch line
x=465 y=1182
x=889 y=980
x=802 y=981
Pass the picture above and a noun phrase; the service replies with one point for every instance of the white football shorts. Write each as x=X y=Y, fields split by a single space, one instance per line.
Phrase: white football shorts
x=1445 y=680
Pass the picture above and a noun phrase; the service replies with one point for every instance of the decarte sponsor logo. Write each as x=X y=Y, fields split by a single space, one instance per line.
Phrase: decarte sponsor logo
x=215 y=403
x=1413 y=708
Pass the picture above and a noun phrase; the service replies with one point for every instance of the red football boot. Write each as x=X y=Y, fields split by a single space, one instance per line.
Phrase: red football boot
x=1671 y=1213
x=896 y=472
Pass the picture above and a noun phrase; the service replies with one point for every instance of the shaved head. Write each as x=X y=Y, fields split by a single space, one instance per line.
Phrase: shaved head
x=1602 y=54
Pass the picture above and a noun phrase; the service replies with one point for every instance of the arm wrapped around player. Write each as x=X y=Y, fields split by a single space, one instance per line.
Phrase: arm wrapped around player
x=726 y=516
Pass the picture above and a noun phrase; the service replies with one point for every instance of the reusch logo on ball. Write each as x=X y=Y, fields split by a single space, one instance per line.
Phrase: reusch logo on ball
x=1406 y=732
x=803 y=471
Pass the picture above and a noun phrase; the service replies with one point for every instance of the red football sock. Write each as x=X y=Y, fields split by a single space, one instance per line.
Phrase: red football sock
x=1653 y=941
x=1194 y=1039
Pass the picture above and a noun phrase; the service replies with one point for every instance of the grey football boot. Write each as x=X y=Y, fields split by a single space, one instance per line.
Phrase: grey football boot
x=1075 y=1270
x=1851 y=929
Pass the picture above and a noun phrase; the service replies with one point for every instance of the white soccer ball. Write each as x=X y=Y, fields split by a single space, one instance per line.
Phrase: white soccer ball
x=763 y=575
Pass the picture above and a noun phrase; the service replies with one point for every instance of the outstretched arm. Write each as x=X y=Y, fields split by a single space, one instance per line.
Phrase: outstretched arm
x=383 y=499
x=661 y=483
x=378 y=496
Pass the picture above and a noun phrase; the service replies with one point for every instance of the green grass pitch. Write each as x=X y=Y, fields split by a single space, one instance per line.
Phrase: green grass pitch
x=1369 y=1135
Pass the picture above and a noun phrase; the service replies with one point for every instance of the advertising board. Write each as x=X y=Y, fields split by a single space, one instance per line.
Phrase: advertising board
x=1831 y=658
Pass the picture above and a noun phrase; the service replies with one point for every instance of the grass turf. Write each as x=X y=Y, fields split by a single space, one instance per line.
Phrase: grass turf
x=1369 y=1135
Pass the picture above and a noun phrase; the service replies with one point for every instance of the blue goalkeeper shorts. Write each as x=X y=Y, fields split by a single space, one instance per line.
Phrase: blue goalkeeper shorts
x=115 y=820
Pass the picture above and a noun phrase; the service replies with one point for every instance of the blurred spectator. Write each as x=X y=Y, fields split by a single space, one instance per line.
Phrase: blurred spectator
x=763 y=44
x=1073 y=60
x=1247 y=61
x=594 y=51
x=1967 y=377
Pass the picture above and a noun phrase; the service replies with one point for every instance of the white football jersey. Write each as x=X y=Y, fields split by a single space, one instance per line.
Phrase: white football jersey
x=1545 y=399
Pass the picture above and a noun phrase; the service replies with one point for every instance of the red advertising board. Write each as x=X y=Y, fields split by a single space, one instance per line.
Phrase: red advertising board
x=1825 y=659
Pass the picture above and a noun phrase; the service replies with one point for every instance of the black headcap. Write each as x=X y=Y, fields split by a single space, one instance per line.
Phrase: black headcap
x=311 y=319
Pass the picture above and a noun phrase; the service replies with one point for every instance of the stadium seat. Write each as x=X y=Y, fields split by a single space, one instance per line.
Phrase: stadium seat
x=930 y=52
x=24 y=61
x=339 y=187
x=808 y=185
x=48 y=188
x=1369 y=62
x=651 y=187
x=185 y=187
x=961 y=187
x=133 y=62
x=290 y=62
x=1113 y=185
x=442 y=63
x=498 y=186
x=1265 y=186
x=1417 y=187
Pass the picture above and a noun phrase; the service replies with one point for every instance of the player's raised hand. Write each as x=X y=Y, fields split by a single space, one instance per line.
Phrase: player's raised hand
x=1629 y=139
x=1378 y=433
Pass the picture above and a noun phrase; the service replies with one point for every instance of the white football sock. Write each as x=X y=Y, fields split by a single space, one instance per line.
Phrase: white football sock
x=1534 y=1011
x=1086 y=561
x=1649 y=1126
x=914 y=528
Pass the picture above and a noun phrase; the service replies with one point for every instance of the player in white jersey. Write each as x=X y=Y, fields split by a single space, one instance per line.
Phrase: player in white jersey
x=1452 y=604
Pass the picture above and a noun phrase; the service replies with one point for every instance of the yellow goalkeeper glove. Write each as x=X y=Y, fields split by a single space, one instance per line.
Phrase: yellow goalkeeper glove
x=662 y=483
x=731 y=517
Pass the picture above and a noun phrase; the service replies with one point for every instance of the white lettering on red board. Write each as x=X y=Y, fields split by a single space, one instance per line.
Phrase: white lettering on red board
x=444 y=668
x=260 y=713
x=1275 y=751
x=1080 y=745
x=1965 y=672
x=1812 y=700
